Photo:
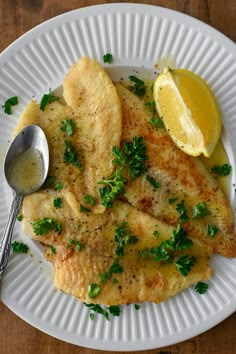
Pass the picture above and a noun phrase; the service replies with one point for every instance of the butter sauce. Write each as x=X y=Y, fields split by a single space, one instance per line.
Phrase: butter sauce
x=26 y=171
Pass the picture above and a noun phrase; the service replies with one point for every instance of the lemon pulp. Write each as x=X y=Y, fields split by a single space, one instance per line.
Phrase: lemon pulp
x=189 y=110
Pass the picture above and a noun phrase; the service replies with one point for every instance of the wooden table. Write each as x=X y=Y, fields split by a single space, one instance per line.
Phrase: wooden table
x=19 y=16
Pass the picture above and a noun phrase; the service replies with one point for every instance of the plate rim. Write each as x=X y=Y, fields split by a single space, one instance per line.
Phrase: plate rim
x=170 y=14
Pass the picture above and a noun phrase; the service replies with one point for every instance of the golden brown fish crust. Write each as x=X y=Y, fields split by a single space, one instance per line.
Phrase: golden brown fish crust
x=141 y=279
x=180 y=176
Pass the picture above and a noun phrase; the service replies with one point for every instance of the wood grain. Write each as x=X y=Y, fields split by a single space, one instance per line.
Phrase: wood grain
x=18 y=17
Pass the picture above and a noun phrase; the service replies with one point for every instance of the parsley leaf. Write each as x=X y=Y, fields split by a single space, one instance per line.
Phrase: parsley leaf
x=58 y=186
x=212 y=230
x=157 y=253
x=107 y=58
x=184 y=264
x=123 y=237
x=53 y=249
x=114 y=186
x=154 y=121
x=12 y=101
x=98 y=309
x=44 y=225
x=76 y=243
x=178 y=240
x=201 y=287
x=200 y=210
x=58 y=203
x=115 y=268
x=89 y=199
x=70 y=156
x=114 y=310
x=182 y=211
x=152 y=181
x=68 y=126
x=19 y=217
x=46 y=99
x=138 y=87
x=50 y=180
x=223 y=170
x=172 y=200
x=135 y=155
x=93 y=290
x=137 y=306
x=19 y=247
x=83 y=209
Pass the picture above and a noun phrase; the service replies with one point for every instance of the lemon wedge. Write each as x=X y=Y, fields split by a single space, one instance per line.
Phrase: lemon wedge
x=189 y=111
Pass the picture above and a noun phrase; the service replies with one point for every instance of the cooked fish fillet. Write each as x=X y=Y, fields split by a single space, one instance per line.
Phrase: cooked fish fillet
x=141 y=280
x=180 y=176
x=94 y=107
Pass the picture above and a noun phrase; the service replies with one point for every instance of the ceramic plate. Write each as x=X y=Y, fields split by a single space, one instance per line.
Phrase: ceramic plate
x=137 y=36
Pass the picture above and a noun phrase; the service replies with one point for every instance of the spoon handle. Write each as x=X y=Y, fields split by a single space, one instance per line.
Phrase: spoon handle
x=5 y=242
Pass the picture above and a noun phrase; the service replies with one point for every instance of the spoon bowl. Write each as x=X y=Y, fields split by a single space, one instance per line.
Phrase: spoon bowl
x=25 y=168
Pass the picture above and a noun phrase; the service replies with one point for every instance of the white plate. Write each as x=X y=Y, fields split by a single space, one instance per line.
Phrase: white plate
x=137 y=36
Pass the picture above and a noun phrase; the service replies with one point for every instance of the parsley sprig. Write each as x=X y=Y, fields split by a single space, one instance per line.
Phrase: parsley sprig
x=133 y=159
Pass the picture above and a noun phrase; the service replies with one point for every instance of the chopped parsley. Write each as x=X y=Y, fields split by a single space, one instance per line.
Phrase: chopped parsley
x=212 y=230
x=138 y=87
x=137 y=306
x=182 y=211
x=91 y=316
x=222 y=170
x=156 y=234
x=89 y=199
x=58 y=203
x=76 y=243
x=53 y=249
x=19 y=217
x=115 y=268
x=123 y=237
x=46 y=99
x=44 y=225
x=98 y=309
x=12 y=101
x=71 y=156
x=19 y=247
x=107 y=58
x=58 y=186
x=200 y=210
x=165 y=252
x=114 y=310
x=93 y=290
x=83 y=209
x=201 y=287
x=152 y=181
x=184 y=264
x=172 y=200
x=68 y=126
x=50 y=180
x=155 y=121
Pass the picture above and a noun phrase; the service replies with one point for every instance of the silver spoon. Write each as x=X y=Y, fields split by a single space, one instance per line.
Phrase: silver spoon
x=25 y=168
